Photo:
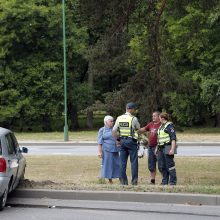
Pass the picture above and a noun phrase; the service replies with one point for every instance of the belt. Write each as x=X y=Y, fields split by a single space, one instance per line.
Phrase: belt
x=160 y=147
x=125 y=137
x=163 y=145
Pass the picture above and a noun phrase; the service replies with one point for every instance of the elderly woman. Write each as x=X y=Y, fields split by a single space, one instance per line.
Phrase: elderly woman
x=108 y=151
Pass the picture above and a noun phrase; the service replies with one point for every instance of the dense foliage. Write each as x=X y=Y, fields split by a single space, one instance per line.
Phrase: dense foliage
x=162 y=55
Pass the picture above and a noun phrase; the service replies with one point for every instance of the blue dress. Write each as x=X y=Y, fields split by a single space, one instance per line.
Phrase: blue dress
x=110 y=154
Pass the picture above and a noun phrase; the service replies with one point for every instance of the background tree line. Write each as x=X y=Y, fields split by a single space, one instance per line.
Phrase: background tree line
x=162 y=55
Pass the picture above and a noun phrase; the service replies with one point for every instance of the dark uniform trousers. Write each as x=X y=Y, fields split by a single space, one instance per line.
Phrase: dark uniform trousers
x=128 y=147
x=166 y=166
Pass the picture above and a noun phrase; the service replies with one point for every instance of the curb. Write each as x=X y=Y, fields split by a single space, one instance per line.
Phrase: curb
x=120 y=196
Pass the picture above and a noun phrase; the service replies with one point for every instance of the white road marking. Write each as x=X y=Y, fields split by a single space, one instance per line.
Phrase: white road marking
x=62 y=153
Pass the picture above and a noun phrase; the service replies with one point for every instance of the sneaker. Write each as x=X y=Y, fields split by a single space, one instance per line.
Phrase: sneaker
x=163 y=184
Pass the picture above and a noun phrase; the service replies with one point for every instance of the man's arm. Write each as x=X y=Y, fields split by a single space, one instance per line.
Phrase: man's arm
x=116 y=138
x=141 y=130
x=144 y=129
x=115 y=135
x=135 y=124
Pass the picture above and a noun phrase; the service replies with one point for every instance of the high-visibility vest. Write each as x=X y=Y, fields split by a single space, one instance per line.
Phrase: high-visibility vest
x=125 y=126
x=163 y=137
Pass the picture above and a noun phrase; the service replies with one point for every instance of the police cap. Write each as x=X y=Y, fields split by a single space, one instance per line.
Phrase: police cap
x=131 y=105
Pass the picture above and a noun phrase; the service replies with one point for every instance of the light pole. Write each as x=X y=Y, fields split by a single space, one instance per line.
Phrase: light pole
x=66 y=136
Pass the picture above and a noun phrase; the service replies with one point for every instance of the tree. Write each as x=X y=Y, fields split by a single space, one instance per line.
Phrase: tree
x=194 y=30
x=163 y=55
x=31 y=57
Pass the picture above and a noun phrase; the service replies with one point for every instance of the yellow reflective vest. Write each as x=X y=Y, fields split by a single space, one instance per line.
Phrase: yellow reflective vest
x=125 y=126
x=163 y=137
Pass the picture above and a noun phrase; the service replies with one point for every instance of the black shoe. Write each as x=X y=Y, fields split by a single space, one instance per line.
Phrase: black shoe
x=163 y=184
x=123 y=182
x=152 y=181
x=134 y=184
x=172 y=184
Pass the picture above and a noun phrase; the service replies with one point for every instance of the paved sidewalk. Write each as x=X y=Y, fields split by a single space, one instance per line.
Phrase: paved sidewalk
x=119 y=196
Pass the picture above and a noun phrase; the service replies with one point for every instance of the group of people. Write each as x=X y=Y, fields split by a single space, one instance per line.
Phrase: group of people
x=118 y=141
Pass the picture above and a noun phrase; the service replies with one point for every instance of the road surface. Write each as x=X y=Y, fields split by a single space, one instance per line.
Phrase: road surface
x=91 y=150
x=99 y=210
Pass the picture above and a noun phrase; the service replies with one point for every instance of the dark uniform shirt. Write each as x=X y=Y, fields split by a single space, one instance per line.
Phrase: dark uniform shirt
x=171 y=131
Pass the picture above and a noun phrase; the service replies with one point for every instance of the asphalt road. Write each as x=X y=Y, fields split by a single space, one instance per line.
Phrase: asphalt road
x=78 y=214
x=80 y=149
x=99 y=210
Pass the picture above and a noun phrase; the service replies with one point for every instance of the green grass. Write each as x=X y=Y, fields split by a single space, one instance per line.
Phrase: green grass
x=202 y=130
x=57 y=136
x=195 y=175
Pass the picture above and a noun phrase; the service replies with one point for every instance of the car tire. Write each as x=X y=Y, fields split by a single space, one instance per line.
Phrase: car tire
x=3 y=199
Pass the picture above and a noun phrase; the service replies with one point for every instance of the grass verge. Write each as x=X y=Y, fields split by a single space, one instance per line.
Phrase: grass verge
x=57 y=136
x=195 y=175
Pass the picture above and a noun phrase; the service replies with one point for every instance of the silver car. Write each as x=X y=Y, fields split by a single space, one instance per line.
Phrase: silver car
x=12 y=164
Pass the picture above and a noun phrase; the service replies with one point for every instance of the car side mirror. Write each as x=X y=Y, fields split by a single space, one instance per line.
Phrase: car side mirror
x=24 y=150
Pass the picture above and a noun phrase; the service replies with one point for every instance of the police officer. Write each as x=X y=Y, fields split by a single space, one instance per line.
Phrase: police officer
x=125 y=132
x=167 y=148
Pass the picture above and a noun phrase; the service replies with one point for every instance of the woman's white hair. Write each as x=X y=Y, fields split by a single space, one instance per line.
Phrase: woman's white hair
x=107 y=117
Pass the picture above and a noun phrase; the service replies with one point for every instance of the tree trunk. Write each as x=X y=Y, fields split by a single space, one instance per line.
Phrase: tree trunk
x=46 y=123
x=217 y=120
x=73 y=114
x=153 y=26
x=89 y=122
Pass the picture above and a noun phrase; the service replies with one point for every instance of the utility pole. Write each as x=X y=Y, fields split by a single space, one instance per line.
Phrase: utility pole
x=66 y=136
